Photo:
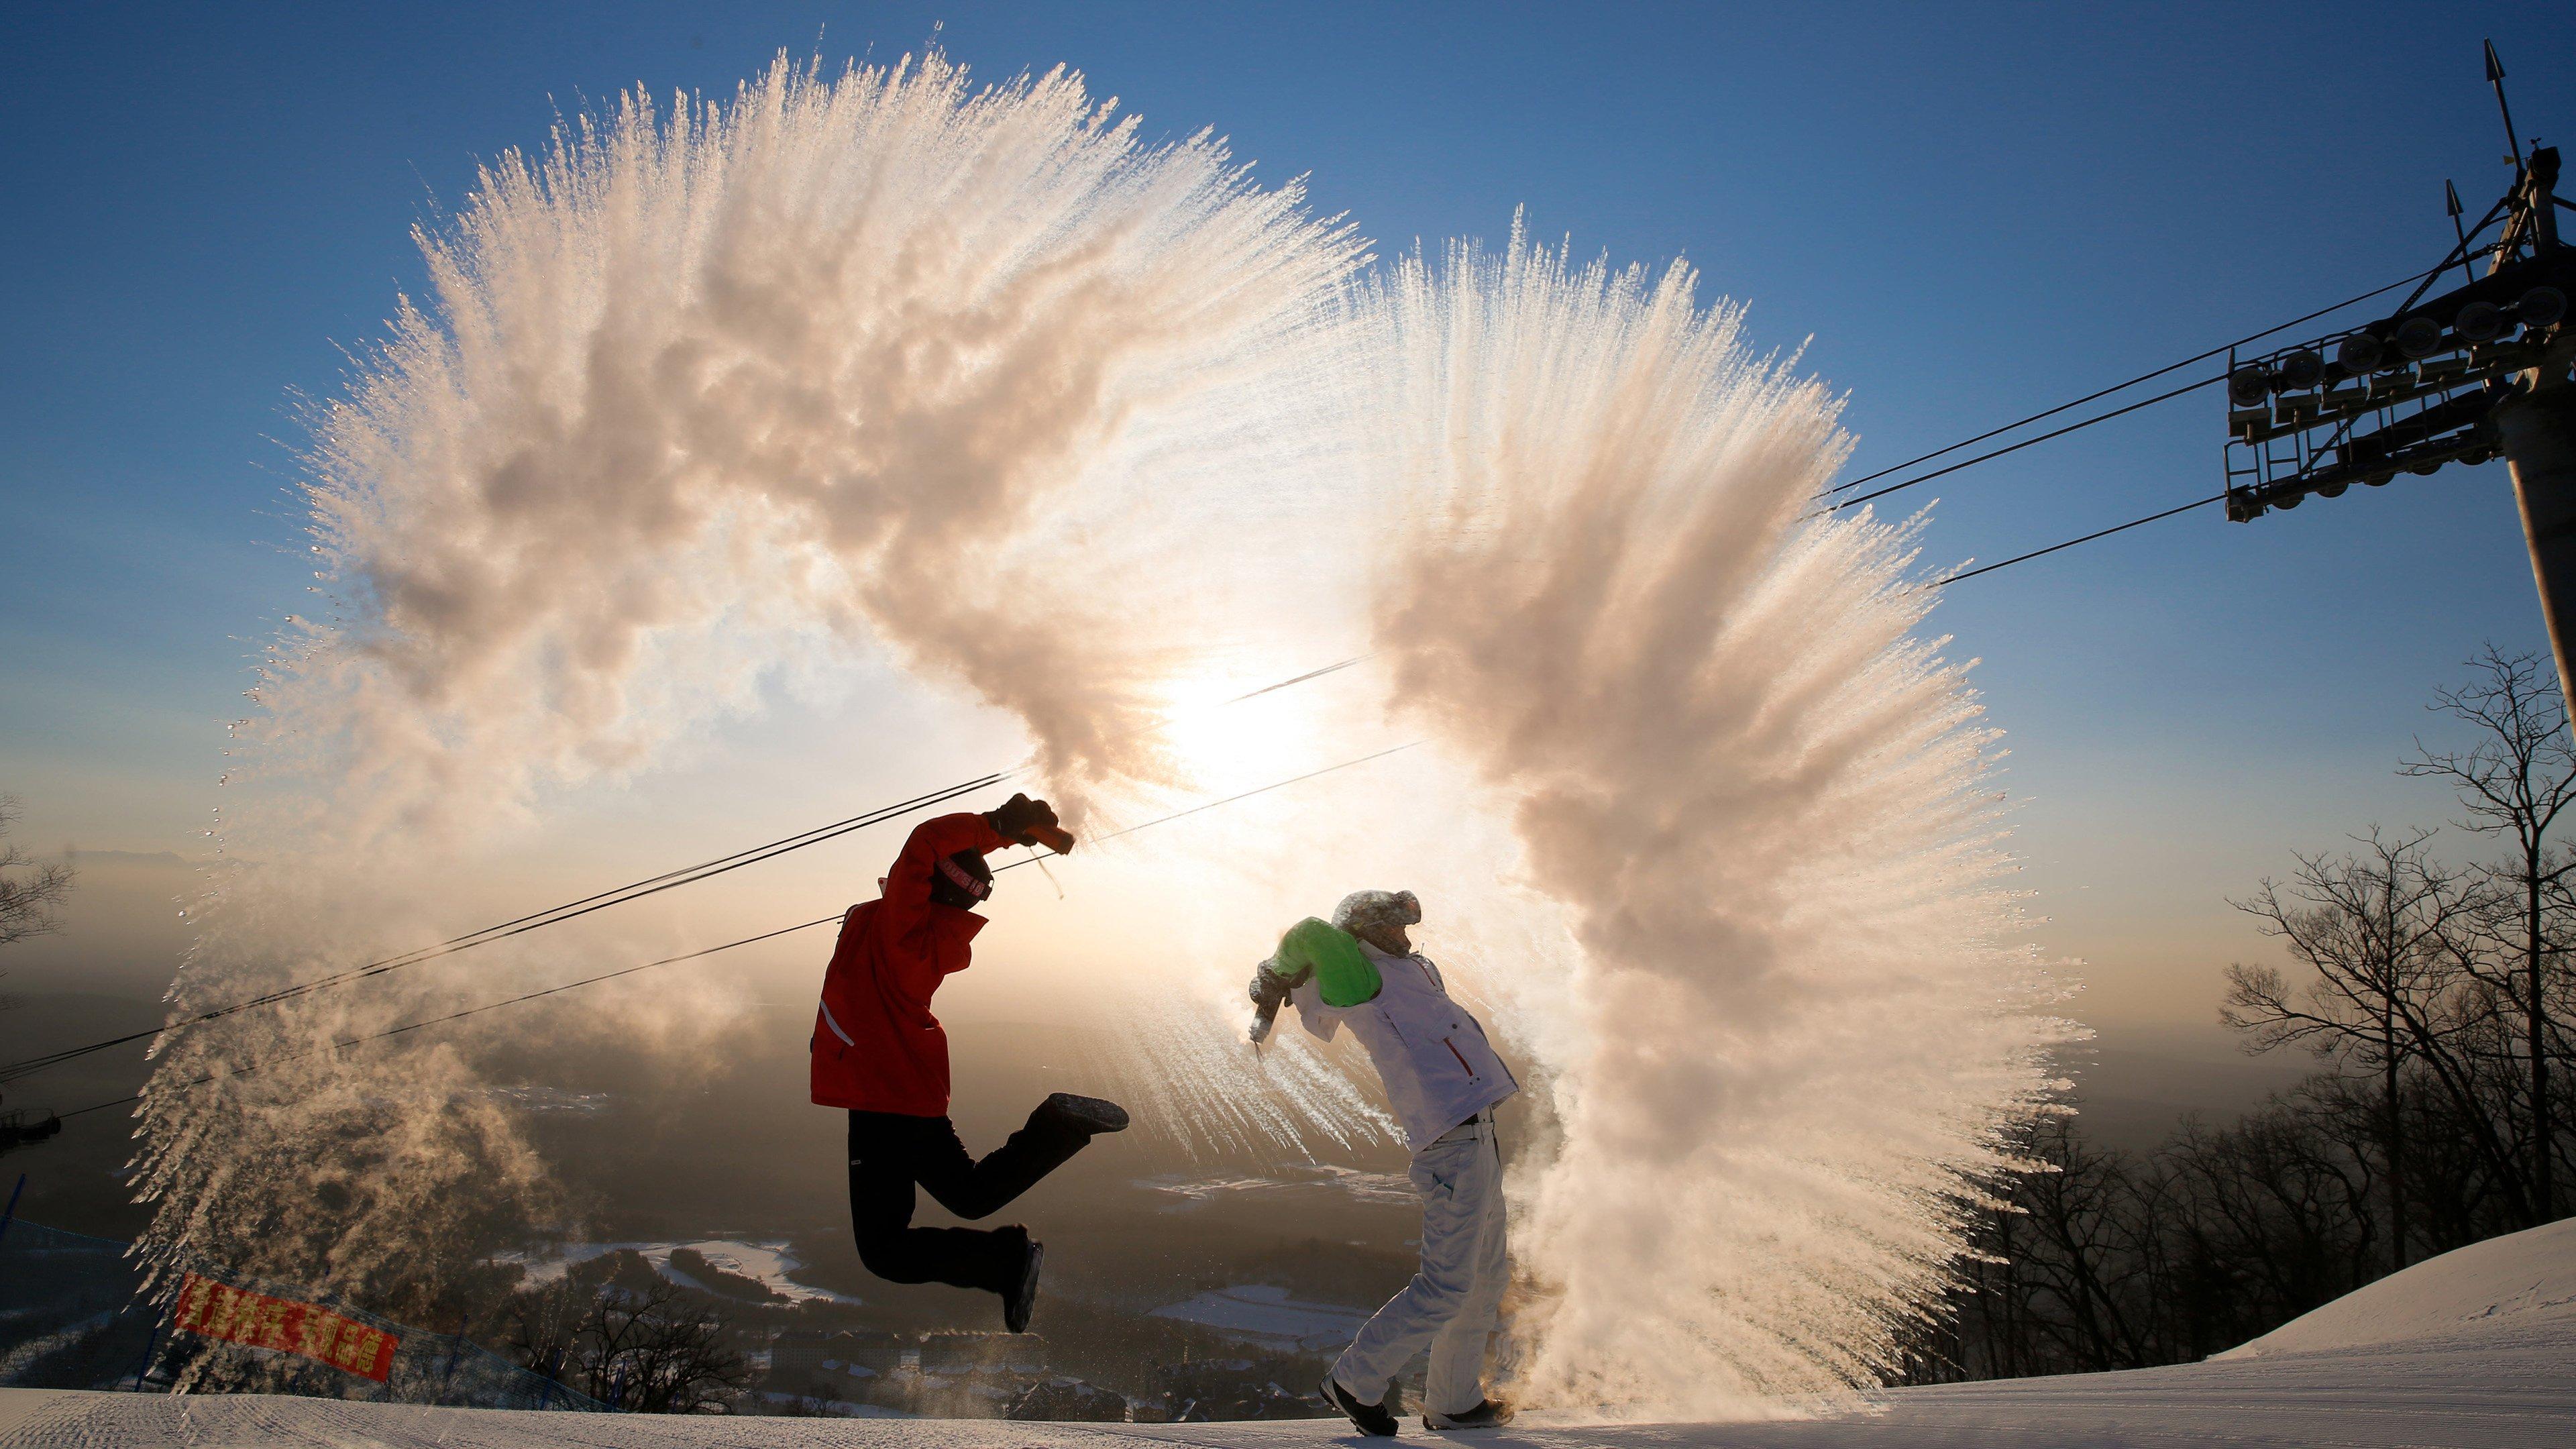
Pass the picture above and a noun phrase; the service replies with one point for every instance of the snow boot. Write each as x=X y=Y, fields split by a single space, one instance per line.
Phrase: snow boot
x=1371 y=1418
x=1019 y=1303
x=1486 y=1415
x=1094 y=1116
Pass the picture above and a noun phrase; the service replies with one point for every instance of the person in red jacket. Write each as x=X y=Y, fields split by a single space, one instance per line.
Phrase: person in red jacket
x=880 y=1054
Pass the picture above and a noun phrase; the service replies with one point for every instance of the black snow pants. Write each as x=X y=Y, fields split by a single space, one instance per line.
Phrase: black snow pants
x=891 y=1154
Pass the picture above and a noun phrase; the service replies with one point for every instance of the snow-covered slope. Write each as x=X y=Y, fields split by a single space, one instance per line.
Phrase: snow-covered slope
x=2472 y=1350
x=2527 y=1278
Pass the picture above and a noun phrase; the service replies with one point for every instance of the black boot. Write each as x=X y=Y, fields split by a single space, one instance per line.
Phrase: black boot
x=1488 y=1414
x=1018 y=1303
x=1371 y=1418
x=1094 y=1116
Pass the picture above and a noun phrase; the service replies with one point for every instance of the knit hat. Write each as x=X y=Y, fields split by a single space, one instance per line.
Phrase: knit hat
x=1365 y=913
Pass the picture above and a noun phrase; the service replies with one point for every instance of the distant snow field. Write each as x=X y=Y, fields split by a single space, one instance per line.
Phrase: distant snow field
x=1265 y=1315
x=1188 y=1193
x=769 y=1263
x=553 y=1100
x=2473 y=1350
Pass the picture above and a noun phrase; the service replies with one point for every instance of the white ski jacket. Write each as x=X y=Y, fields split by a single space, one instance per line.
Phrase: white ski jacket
x=1437 y=1066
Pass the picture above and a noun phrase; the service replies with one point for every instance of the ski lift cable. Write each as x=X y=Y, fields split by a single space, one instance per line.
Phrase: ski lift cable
x=470 y=1011
x=2122 y=386
x=556 y=990
x=934 y=797
x=1333 y=668
x=688 y=875
x=633 y=890
x=2024 y=443
x=2072 y=542
x=652 y=886
x=615 y=896
x=1039 y=860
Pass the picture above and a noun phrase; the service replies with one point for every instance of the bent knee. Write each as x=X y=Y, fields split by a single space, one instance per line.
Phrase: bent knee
x=1441 y=1294
x=973 y=1208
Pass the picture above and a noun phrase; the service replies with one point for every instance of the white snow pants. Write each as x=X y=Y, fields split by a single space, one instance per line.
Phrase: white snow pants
x=1451 y=1303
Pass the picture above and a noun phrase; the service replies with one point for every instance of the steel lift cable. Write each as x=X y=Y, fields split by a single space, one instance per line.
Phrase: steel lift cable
x=2072 y=542
x=721 y=864
x=655 y=885
x=1228 y=800
x=710 y=950
x=615 y=896
x=688 y=875
x=1039 y=859
x=2124 y=386
x=2024 y=443
x=469 y=1011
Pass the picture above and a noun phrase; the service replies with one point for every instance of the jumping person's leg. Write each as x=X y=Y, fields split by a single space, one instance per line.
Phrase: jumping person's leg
x=1456 y=1382
x=973 y=1189
x=1455 y=1180
x=890 y=1153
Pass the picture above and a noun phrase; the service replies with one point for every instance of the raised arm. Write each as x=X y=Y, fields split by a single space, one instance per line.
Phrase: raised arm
x=1320 y=968
x=907 y=886
x=1343 y=974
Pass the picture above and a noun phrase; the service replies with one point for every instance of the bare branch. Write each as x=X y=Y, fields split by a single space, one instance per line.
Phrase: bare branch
x=32 y=891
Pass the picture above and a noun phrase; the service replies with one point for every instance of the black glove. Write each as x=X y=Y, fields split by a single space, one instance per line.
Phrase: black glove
x=1029 y=822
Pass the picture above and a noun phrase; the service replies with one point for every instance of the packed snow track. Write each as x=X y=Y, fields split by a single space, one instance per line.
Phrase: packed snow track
x=2486 y=1360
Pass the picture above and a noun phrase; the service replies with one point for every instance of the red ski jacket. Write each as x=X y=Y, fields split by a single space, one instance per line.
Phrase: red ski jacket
x=876 y=1046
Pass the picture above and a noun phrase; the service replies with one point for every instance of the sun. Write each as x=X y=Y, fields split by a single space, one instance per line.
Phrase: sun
x=1223 y=741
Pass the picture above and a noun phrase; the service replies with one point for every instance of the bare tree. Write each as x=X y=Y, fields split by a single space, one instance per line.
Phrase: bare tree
x=2515 y=782
x=666 y=1356
x=2273 y=1204
x=31 y=890
x=2085 y=1249
x=631 y=1340
x=2379 y=932
x=2444 y=996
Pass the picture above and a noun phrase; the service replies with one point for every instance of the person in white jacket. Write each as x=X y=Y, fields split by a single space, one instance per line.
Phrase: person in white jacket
x=1443 y=1080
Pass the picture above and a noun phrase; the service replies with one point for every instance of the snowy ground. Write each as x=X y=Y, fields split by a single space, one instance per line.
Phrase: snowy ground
x=2474 y=1350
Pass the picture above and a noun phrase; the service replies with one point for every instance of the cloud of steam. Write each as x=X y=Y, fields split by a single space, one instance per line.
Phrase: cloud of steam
x=267 y=1152
x=1804 y=1009
x=873 y=356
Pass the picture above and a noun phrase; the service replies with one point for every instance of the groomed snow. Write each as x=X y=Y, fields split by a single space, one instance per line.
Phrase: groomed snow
x=2473 y=1350
x=2526 y=1277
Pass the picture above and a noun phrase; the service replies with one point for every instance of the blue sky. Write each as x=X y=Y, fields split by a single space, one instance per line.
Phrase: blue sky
x=1963 y=213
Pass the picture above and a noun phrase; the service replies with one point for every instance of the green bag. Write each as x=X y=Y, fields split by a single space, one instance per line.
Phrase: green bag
x=1344 y=975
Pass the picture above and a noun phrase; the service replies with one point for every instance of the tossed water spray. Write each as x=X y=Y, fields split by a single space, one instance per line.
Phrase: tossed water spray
x=860 y=362
x=1798 y=1012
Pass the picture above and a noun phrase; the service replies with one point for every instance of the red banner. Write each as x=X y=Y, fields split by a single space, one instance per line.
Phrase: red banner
x=237 y=1315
